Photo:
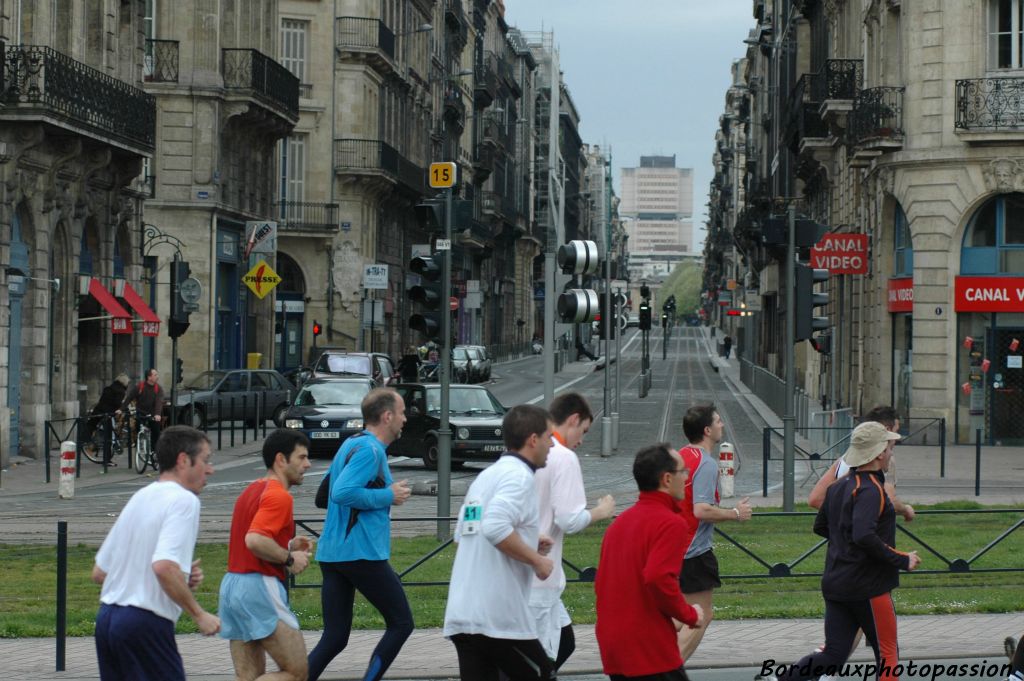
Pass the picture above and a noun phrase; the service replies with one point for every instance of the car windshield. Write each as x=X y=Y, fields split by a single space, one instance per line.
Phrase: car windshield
x=460 y=353
x=464 y=401
x=351 y=365
x=332 y=394
x=206 y=380
x=474 y=353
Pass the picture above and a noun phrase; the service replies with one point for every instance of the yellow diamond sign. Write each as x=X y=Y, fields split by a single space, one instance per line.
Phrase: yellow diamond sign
x=261 y=279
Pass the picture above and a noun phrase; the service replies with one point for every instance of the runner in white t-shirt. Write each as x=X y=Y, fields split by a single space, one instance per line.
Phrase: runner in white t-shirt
x=146 y=569
x=562 y=502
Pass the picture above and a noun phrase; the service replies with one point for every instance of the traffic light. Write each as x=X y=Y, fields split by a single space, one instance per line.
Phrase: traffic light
x=664 y=319
x=317 y=329
x=606 y=320
x=645 y=316
x=179 y=371
x=178 y=322
x=578 y=306
x=807 y=300
x=430 y=215
x=430 y=294
x=579 y=257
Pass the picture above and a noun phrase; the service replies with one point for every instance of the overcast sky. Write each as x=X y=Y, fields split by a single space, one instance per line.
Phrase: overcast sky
x=648 y=76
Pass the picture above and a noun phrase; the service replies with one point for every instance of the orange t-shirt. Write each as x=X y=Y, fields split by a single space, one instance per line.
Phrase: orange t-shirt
x=265 y=507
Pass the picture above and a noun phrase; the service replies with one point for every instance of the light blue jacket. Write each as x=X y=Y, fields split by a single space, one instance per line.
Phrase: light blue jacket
x=370 y=536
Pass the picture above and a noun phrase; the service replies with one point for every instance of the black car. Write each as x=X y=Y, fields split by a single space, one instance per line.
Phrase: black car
x=327 y=411
x=475 y=416
x=236 y=395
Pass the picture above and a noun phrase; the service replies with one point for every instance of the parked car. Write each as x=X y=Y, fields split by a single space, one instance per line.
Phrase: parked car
x=474 y=414
x=374 y=365
x=236 y=395
x=327 y=411
x=461 y=364
x=481 y=363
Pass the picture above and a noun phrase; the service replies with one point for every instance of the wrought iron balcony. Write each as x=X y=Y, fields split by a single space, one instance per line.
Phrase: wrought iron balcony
x=486 y=82
x=495 y=133
x=498 y=205
x=368 y=39
x=455 y=19
x=455 y=106
x=270 y=83
x=877 y=115
x=838 y=79
x=483 y=164
x=374 y=157
x=161 y=61
x=306 y=216
x=42 y=82
x=507 y=74
x=804 y=121
x=990 y=104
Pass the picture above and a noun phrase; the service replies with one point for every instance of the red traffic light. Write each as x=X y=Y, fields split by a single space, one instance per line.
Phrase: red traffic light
x=317 y=329
x=733 y=312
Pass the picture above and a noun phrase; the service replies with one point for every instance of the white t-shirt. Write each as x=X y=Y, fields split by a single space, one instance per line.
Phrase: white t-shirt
x=562 y=505
x=489 y=592
x=159 y=522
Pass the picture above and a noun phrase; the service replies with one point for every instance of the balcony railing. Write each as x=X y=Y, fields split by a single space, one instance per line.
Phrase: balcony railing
x=161 y=61
x=497 y=204
x=990 y=104
x=248 y=69
x=838 y=79
x=495 y=132
x=877 y=113
x=508 y=75
x=375 y=156
x=455 y=105
x=306 y=216
x=42 y=79
x=483 y=164
x=364 y=34
x=486 y=82
x=455 y=18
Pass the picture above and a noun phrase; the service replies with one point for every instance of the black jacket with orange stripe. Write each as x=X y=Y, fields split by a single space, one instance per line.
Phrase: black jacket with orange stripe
x=859 y=521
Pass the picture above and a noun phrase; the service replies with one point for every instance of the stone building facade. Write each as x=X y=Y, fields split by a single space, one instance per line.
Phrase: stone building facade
x=900 y=121
x=75 y=128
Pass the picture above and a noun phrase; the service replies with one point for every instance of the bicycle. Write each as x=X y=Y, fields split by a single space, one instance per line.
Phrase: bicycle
x=93 y=448
x=144 y=455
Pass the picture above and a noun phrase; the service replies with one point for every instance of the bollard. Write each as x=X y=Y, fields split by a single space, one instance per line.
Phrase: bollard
x=726 y=471
x=977 y=462
x=62 y=593
x=766 y=454
x=66 y=486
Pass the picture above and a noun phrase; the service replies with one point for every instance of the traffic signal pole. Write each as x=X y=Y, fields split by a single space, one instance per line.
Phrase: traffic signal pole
x=444 y=433
x=789 y=417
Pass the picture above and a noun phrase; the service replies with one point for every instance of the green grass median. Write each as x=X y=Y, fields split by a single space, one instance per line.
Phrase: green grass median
x=28 y=575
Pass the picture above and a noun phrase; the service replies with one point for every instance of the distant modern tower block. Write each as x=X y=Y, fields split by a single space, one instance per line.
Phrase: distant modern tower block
x=657 y=209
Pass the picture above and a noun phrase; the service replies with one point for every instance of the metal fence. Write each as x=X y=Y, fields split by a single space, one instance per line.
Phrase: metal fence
x=771 y=390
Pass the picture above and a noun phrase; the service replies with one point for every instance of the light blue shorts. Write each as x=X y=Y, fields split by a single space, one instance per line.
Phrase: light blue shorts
x=251 y=605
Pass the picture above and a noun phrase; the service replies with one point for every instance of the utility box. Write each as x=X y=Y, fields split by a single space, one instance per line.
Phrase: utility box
x=253 y=360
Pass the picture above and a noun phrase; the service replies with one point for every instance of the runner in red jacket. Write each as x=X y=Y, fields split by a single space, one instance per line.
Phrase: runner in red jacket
x=637 y=586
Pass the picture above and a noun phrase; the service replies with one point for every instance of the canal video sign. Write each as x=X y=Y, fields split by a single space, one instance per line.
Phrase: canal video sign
x=989 y=294
x=841 y=254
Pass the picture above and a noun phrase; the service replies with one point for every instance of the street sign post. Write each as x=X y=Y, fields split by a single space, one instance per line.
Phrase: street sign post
x=443 y=175
x=375 y=277
x=191 y=291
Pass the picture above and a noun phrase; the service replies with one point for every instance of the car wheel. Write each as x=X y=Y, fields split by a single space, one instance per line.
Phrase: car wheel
x=431 y=454
x=279 y=415
x=195 y=418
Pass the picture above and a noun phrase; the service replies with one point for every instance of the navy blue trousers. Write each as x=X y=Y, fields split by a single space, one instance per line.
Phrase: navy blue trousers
x=132 y=643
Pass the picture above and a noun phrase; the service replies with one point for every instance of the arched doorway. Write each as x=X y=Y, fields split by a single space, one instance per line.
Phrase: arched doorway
x=290 y=310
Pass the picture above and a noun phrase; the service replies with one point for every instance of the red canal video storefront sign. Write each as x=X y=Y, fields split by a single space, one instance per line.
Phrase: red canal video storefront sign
x=901 y=294
x=989 y=294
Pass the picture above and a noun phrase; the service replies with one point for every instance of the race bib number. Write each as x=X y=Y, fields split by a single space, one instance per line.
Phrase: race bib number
x=472 y=514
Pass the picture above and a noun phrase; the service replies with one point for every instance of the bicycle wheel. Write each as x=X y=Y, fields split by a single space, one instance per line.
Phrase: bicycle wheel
x=92 y=449
x=142 y=452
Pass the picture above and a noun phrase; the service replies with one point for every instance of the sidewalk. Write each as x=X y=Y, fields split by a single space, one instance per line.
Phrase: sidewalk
x=918 y=467
x=428 y=655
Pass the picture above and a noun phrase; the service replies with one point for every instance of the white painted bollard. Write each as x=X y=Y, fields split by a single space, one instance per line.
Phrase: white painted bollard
x=66 y=486
x=726 y=471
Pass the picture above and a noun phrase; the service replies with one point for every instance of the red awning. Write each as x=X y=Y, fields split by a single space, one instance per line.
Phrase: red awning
x=122 y=321
x=150 y=321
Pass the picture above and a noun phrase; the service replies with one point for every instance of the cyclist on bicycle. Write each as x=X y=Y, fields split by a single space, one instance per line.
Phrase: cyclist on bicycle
x=149 y=401
x=109 y=403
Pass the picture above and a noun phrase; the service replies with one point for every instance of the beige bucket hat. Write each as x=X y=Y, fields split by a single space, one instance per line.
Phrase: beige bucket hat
x=867 y=441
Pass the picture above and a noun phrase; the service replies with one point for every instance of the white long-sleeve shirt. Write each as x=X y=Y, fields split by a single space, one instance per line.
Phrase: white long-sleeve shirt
x=562 y=506
x=489 y=592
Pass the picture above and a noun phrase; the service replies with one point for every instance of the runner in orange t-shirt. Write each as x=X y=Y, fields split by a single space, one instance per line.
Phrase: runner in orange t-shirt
x=262 y=550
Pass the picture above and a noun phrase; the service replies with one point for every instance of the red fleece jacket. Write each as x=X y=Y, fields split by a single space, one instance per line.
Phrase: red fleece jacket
x=638 y=588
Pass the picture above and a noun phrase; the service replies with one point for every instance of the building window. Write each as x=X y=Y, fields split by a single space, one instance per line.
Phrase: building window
x=1005 y=34
x=149 y=31
x=293 y=46
x=994 y=239
x=293 y=173
x=903 y=256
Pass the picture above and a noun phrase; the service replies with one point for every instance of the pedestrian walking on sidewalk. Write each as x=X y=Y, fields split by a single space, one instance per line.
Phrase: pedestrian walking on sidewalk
x=262 y=551
x=355 y=545
x=861 y=565
x=727 y=346
x=500 y=550
x=562 y=504
x=698 y=577
x=639 y=602
x=146 y=569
